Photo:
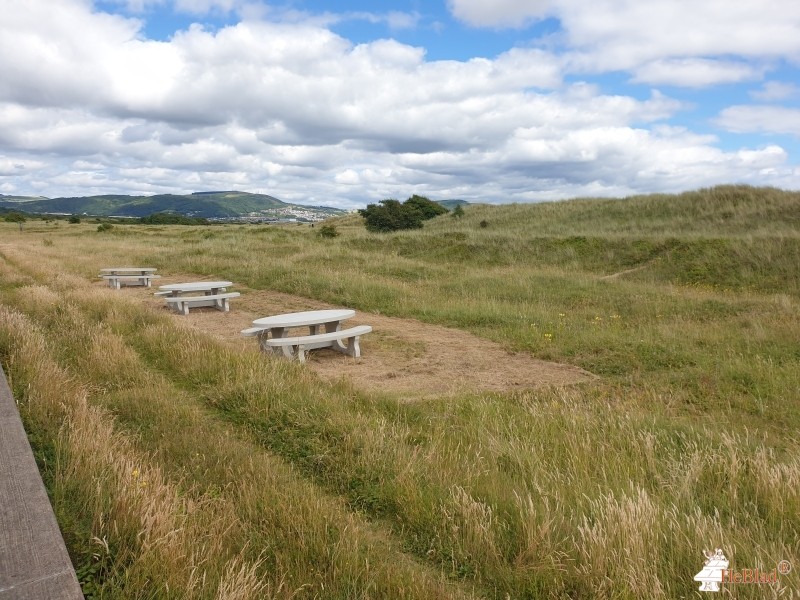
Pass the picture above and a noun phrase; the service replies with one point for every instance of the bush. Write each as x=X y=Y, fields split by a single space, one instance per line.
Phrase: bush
x=328 y=231
x=15 y=217
x=105 y=227
x=458 y=211
x=391 y=215
x=74 y=219
x=427 y=208
x=162 y=218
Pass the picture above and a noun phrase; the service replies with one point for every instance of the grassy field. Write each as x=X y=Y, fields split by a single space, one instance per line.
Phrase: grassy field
x=180 y=467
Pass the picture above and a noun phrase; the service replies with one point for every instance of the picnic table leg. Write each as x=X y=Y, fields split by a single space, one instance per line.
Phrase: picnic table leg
x=263 y=336
x=330 y=327
x=275 y=332
x=301 y=354
x=353 y=347
x=289 y=352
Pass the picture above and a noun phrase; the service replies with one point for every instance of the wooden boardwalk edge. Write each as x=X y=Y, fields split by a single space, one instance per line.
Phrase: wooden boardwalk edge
x=34 y=563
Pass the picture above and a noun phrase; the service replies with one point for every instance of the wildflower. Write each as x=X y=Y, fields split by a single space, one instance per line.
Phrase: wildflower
x=135 y=473
x=561 y=315
x=548 y=336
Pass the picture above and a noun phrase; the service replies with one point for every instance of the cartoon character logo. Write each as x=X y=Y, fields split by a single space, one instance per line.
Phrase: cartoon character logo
x=714 y=567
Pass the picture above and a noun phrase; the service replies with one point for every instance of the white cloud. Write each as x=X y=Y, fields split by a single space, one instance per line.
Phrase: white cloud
x=13 y=167
x=348 y=177
x=499 y=13
x=660 y=41
x=760 y=118
x=695 y=72
x=87 y=105
x=629 y=32
x=773 y=91
x=402 y=20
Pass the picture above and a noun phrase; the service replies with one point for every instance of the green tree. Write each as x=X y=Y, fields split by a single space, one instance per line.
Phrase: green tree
x=391 y=215
x=16 y=217
x=458 y=212
x=427 y=208
x=74 y=219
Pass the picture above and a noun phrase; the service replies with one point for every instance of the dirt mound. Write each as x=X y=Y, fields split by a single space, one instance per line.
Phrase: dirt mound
x=402 y=356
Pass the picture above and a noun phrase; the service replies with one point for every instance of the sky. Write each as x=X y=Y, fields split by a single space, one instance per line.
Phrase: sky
x=344 y=103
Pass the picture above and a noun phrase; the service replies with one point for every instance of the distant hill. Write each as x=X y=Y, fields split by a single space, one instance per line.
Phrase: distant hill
x=5 y=198
x=452 y=203
x=209 y=205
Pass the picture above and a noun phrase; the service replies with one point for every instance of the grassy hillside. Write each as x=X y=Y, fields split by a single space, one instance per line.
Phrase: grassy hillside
x=200 y=204
x=177 y=462
x=714 y=212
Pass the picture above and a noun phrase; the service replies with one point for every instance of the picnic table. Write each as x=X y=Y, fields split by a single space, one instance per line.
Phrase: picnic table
x=272 y=332
x=118 y=276
x=207 y=293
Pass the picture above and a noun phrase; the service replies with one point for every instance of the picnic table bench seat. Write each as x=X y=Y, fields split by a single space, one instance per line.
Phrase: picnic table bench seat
x=254 y=331
x=296 y=346
x=182 y=304
x=116 y=281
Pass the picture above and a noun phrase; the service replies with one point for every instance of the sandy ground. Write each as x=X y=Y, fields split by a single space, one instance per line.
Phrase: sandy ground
x=411 y=359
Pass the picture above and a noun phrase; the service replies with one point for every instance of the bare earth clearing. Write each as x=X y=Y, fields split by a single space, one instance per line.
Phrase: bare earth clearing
x=402 y=356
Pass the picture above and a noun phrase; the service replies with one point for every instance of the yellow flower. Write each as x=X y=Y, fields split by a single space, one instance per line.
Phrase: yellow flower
x=135 y=473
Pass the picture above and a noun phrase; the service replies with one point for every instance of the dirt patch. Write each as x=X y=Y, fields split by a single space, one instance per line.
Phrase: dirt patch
x=406 y=357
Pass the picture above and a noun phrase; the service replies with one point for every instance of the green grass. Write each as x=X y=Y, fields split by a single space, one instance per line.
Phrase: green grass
x=263 y=478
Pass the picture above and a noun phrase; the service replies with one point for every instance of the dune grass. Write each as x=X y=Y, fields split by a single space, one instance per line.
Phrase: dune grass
x=182 y=468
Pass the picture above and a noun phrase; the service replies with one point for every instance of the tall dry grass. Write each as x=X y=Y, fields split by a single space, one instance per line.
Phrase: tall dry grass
x=688 y=440
x=213 y=519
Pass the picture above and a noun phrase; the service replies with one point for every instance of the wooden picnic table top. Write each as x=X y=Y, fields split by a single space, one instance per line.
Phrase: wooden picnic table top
x=309 y=317
x=195 y=286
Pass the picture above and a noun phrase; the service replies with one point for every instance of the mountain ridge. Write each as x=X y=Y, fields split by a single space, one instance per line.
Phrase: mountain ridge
x=209 y=205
